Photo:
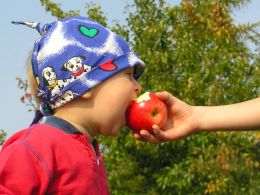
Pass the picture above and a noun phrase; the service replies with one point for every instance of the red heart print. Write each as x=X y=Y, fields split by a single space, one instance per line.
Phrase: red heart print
x=108 y=66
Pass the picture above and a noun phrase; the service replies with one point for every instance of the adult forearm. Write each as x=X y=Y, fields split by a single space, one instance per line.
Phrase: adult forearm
x=240 y=116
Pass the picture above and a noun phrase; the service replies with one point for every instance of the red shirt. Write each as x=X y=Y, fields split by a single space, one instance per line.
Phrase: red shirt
x=48 y=160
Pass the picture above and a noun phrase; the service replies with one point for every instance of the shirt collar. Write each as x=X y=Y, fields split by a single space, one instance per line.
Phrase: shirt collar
x=61 y=124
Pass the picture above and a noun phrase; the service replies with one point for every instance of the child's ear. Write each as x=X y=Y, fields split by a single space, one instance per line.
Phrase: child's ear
x=87 y=95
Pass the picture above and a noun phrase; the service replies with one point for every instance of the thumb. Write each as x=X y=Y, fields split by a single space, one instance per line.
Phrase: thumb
x=166 y=97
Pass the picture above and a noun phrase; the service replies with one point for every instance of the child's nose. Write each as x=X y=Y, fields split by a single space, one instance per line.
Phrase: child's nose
x=138 y=87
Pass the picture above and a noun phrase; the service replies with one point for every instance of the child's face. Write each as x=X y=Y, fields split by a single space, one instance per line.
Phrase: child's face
x=110 y=101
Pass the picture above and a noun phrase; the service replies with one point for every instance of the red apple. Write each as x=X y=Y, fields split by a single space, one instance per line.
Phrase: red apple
x=145 y=111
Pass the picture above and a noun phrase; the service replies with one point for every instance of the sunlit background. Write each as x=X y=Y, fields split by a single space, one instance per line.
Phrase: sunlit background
x=17 y=41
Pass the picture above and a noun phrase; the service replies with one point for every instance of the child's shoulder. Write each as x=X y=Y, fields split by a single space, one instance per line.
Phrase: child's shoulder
x=39 y=134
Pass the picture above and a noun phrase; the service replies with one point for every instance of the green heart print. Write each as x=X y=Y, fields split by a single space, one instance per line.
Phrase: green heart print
x=89 y=32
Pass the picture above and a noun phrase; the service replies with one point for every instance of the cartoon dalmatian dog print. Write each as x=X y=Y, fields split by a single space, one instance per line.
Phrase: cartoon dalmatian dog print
x=76 y=67
x=63 y=99
x=51 y=82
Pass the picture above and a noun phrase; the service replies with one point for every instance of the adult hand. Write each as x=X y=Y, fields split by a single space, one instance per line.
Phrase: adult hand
x=182 y=121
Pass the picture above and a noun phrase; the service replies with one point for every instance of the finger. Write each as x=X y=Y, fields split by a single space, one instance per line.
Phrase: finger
x=149 y=137
x=137 y=136
x=155 y=128
x=167 y=135
x=159 y=134
x=171 y=135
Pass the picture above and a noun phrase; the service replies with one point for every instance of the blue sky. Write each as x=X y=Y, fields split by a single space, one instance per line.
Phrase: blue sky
x=17 y=41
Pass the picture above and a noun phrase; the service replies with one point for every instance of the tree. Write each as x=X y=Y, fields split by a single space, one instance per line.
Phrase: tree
x=196 y=52
x=2 y=136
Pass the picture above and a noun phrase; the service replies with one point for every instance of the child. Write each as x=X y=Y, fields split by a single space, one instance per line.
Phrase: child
x=85 y=78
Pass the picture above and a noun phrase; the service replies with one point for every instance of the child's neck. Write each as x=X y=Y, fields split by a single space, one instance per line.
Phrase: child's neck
x=90 y=135
x=76 y=113
x=87 y=132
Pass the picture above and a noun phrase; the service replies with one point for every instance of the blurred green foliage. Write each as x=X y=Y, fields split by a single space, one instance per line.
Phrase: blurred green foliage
x=197 y=52
x=2 y=136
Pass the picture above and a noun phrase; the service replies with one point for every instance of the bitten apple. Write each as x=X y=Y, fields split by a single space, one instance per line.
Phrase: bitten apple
x=145 y=111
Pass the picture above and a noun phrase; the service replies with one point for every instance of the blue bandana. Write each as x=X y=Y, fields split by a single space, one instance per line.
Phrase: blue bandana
x=72 y=56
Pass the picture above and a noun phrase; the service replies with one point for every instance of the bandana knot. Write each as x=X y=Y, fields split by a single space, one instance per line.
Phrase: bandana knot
x=41 y=28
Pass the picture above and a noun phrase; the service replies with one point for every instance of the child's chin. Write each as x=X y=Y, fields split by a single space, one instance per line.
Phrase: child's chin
x=115 y=133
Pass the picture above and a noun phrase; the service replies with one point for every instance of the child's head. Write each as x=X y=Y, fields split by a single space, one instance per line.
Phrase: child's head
x=74 y=56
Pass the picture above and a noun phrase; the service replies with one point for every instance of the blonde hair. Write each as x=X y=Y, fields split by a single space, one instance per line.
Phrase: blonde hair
x=31 y=79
